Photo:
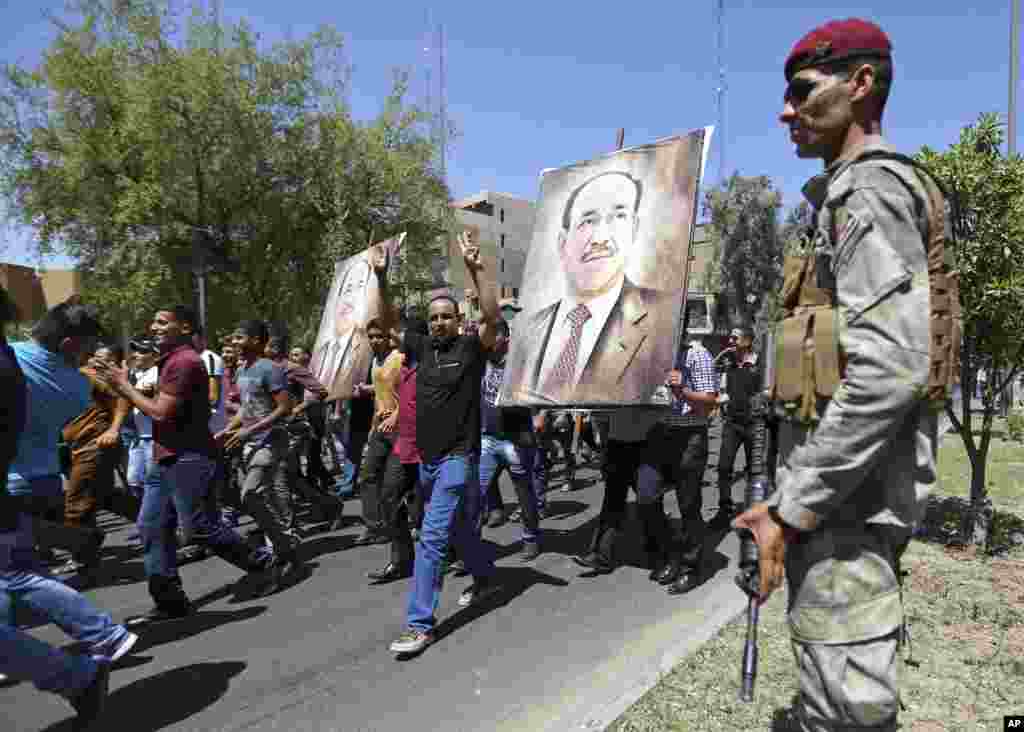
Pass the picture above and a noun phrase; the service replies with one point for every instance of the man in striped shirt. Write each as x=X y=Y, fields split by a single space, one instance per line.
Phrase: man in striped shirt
x=695 y=390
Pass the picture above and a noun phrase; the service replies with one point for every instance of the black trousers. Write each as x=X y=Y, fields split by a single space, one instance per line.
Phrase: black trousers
x=372 y=478
x=649 y=468
x=734 y=435
x=694 y=448
x=316 y=471
x=400 y=504
x=356 y=443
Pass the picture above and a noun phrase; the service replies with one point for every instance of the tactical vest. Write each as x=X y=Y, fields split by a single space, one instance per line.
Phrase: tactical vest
x=809 y=360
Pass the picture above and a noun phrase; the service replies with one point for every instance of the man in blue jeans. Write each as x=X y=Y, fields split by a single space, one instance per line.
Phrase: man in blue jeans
x=448 y=436
x=83 y=679
x=508 y=442
x=184 y=453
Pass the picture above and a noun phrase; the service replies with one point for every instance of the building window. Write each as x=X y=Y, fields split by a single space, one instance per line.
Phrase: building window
x=502 y=240
x=515 y=293
x=501 y=218
x=503 y=265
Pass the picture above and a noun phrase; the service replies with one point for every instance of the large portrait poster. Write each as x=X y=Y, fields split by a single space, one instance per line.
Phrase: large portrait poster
x=603 y=287
x=341 y=355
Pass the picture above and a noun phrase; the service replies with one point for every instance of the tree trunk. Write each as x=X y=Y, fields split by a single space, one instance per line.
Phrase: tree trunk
x=977 y=525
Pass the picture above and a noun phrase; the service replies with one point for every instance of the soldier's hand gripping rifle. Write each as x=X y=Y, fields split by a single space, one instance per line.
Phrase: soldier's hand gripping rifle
x=763 y=454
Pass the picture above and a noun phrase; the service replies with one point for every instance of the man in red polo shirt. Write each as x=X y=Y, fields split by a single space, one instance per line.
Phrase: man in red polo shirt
x=184 y=461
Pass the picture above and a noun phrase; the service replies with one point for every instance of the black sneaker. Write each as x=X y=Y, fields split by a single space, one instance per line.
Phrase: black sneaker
x=90 y=702
x=280 y=567
x=531 y=550
x=477 y=592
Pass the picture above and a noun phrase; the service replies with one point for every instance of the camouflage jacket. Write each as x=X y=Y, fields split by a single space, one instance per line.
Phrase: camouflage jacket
x=871 y=457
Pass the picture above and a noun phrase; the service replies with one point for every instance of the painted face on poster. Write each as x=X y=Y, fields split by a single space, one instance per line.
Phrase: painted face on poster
x=600 y=328
x=600 y=226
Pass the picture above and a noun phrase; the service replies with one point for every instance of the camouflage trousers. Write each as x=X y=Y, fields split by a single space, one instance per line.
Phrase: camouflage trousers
x=846 y=620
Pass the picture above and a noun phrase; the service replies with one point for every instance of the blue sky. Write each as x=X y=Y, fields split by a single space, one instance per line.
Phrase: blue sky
x=541 y=84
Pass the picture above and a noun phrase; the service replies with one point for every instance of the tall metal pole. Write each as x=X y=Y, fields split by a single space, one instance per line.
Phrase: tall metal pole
x=1011 y=115
x=444 y=104
x=720 y=89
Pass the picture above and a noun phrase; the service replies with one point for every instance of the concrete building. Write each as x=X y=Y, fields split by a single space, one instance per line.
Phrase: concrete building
x=503 y=226
x=36 y=291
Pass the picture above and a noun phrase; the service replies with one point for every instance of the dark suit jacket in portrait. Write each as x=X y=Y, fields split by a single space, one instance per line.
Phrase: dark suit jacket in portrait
x=631 y=358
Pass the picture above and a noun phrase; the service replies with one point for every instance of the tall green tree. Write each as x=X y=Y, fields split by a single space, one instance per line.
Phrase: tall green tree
x=746 y=268
x=152 y=145
x=986 y=192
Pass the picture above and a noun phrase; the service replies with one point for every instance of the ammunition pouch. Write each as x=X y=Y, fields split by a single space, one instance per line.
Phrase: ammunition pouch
x=809 y=363
x=807 y=342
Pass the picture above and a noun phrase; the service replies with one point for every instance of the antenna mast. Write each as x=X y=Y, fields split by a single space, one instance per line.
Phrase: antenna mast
x=443 y=103
x=720 y=89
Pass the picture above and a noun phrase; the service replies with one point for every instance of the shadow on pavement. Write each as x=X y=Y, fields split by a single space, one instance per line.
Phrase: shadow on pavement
x=313 y=548
x=166 y=698
x=170 y=631
x=513 y=582
x=561 y=510
x=567 y=543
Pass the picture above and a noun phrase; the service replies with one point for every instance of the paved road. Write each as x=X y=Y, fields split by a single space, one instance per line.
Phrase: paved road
x=553 y=651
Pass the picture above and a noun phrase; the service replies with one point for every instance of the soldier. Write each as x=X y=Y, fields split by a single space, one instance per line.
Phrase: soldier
x=867 y=349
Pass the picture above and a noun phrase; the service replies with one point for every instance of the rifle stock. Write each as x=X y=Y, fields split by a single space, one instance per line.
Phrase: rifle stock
x=763 y=454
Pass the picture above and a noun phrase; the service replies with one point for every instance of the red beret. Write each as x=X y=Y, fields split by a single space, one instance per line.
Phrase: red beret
x=837 y=40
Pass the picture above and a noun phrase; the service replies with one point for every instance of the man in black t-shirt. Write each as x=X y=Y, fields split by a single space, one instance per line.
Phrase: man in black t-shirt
x=739 y=362
x=448 y=436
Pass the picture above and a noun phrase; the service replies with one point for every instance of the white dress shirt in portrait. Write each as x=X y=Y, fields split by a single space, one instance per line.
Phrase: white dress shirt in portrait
x=600 y=308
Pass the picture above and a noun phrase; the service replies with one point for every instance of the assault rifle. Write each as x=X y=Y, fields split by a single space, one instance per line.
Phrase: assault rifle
x=763 y=456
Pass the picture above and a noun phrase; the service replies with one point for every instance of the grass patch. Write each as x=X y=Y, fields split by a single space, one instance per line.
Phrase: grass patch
x=966 y=613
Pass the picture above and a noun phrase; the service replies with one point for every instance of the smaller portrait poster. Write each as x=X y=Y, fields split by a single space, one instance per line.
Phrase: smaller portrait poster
x=605 y=278
x=341 y=355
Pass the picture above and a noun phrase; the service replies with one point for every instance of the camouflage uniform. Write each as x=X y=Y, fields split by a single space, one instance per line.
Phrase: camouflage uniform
x=856 y=479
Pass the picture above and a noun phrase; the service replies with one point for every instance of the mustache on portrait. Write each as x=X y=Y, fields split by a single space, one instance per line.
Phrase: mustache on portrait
x=598 y=250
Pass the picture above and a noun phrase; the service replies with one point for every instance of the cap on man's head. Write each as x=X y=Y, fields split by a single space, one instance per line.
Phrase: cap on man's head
x=835 y=41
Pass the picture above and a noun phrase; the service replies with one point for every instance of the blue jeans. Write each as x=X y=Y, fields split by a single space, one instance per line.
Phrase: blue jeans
x=496 y=455
x=66 y=608
x=140 y=462
x=179 y=490
x=25 y=658
x=452 y=514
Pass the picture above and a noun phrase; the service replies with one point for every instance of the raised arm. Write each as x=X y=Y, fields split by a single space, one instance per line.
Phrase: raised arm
x=488 y=296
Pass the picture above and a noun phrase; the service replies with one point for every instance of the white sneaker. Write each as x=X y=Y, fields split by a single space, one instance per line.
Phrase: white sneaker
x=112 y=652
x=412 y=641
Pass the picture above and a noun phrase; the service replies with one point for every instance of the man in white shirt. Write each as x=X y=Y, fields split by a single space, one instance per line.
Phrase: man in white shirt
x=605 y=340
x=214 y=370
x=140 y=452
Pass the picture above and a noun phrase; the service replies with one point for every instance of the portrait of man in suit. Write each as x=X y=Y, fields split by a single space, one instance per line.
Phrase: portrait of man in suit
x=342 y=338
x=341 y=354
x=606 y=339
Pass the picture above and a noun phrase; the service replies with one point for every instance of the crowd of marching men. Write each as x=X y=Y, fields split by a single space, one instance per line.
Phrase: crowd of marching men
x=182 y=441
